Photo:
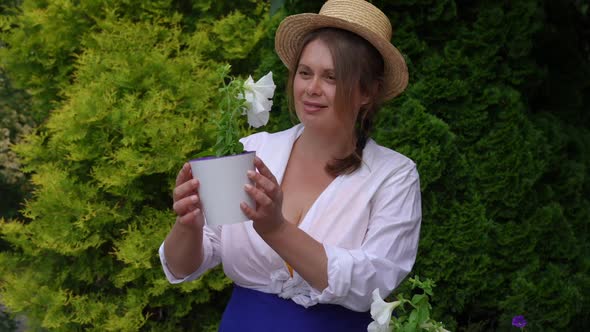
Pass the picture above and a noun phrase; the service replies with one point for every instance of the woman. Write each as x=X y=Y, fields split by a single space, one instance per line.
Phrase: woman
x=336 y=214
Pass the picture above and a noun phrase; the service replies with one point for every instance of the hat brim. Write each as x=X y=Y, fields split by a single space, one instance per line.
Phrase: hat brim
x=293 y=29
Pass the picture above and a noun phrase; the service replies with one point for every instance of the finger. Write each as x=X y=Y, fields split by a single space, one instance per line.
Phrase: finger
x=248 y=211
x=184 y=174
x=264 y=170
x=187 y=188
x=186 y=205
x=192 y=218
x=262 y=182
x=258 y=195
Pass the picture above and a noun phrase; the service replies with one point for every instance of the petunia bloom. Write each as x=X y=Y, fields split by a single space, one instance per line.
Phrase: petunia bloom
x=258 y=99
x=381 y=313
x=519 y=321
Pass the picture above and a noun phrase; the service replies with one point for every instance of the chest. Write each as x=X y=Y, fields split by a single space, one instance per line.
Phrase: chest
x=302 y=185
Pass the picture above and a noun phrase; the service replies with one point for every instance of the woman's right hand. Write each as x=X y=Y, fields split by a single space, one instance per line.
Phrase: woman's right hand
x=187 y=203
x=183 y=245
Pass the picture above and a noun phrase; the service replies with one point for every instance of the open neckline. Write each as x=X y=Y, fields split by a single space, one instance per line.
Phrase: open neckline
x=303 y=224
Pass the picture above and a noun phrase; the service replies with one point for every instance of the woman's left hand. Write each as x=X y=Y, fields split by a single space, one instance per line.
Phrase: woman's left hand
x=267 y=193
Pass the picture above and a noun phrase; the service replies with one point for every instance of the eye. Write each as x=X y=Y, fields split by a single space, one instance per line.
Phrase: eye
x=303 y=72
x=330 y=78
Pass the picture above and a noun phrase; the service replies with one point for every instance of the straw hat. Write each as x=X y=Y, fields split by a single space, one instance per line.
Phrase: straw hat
x=357 y=16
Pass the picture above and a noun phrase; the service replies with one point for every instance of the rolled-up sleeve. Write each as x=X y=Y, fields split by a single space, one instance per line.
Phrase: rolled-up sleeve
x=388 y=251
x=211 y=256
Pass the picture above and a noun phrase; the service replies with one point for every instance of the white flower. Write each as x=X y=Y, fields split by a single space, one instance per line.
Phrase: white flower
x=258 y=99
x=375 y=327
x=381 y=313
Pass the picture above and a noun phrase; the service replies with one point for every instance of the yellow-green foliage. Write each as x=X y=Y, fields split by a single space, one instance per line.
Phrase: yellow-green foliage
x=131 y=98
x=15 y=121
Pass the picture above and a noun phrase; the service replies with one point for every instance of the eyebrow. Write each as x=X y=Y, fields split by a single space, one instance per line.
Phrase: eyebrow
x=304 y=66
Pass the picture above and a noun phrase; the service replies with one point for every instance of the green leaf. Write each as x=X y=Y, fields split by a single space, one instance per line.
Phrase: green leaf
x=276 y=5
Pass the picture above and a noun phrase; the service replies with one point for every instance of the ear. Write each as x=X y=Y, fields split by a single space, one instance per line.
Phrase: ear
x=365 y=100
x=368 y=97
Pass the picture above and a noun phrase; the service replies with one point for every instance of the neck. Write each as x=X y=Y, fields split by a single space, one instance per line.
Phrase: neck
x=324 y=146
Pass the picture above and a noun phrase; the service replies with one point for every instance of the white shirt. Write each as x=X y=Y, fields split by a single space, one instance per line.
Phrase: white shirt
x=367 y=221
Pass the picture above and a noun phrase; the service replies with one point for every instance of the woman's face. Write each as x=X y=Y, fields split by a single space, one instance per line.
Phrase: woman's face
x=314 y=90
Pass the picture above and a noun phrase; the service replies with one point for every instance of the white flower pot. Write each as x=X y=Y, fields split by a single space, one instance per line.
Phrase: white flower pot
x=221 y=190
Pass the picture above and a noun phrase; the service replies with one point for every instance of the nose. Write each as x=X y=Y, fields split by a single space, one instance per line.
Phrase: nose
x=314 y=86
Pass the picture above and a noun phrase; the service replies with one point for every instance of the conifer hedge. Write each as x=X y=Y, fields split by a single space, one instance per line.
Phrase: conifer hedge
x=495 y=116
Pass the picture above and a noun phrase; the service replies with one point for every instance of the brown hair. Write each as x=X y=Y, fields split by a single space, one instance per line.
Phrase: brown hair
x=356 y=62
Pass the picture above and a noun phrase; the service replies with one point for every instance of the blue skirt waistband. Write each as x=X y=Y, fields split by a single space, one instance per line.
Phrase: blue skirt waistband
x=255 y=311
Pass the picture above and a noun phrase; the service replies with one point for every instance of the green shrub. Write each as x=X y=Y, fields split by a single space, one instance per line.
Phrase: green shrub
x=139 y=104
x=495 y=117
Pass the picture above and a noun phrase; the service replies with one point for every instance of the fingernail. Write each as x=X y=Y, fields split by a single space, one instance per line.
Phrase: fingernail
x=194 y=198
x=248 y=186
x=251 y=173
x=194 y=182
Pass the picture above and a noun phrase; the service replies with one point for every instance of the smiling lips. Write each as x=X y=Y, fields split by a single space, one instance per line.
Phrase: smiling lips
x=311 y=107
